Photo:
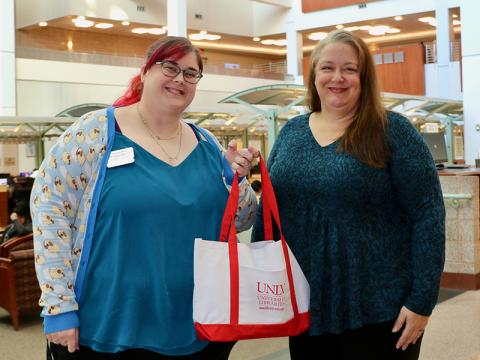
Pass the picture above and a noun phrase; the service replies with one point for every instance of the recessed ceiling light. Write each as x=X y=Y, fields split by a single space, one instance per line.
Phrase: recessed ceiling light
x=203 y=35
x=279 y=42
x=42 y=23
x=103 y=26
x=429 y=20
x=317 y=35
x=139 y=31
x=157 y=31
x=82 y=22
x=125 y=23
x=398 y=18
x=256 y=39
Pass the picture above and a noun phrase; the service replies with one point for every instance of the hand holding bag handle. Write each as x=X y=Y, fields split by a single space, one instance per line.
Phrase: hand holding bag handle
x=270 y=209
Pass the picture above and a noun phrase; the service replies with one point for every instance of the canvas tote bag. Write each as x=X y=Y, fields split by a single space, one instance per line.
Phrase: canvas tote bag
x=246 y=291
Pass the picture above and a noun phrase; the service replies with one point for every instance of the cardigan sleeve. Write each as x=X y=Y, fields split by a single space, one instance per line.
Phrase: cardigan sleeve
x=416 y=184
x=64 y=176
x=247 y=201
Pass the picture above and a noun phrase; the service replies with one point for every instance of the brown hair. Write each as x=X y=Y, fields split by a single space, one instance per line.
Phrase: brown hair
x=365 y=138
x=169 y=47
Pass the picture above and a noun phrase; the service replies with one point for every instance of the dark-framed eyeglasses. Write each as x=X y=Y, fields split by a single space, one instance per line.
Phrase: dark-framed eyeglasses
x=171 y=69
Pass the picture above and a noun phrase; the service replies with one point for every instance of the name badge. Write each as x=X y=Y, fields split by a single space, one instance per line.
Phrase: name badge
x=121 y=157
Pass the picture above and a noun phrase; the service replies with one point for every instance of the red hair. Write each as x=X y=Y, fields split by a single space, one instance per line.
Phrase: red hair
x=171 y=47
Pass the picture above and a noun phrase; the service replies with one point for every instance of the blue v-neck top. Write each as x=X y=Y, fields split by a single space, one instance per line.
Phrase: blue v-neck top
x=139 y=281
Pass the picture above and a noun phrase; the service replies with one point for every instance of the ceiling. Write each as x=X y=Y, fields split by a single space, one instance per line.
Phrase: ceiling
x=411 y=30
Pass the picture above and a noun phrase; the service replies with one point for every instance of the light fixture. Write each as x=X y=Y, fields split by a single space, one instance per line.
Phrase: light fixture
x=82 y=22
x=103 y=26
x=139 y=31
x=317 y=35
x=351 y=28
x=203 y=35
x=125 y=23
x=157 y=31
x=455 y=16
x=457 y=23
x=256 y=39
x=428 y=20
x=70 y=45
x=398 y=18
x=42 y=23
x=339 y=26
x=279 y=42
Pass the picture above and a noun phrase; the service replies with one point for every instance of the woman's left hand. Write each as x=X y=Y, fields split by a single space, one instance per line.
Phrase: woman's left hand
x=241 y=160
x=414 y=327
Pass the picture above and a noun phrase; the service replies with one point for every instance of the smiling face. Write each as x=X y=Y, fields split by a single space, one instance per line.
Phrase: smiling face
x=171 y=93
x=337 y=77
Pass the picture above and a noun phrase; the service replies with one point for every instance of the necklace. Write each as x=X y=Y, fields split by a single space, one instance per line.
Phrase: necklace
x=157 y=139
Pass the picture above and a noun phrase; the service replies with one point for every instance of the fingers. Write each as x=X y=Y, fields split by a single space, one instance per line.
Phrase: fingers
x=399 y=322
x=73 y=342
x=68 y=338
x=414 y=326
x=232 y=145
x=241 y=160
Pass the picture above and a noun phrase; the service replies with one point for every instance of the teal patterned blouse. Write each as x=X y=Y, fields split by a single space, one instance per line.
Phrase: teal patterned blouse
x=368 y=240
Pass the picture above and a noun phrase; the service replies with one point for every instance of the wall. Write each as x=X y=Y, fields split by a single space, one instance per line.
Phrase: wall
x=462 y=248
x=269 y=19
x=432 y=84
x=315 y=5
x=407 y=77
x=131 y=46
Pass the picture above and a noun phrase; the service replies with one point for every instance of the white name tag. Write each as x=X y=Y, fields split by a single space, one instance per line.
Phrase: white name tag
x=121 y=157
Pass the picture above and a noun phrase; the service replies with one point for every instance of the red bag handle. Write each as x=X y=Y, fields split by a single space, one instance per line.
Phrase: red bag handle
x=270 y=209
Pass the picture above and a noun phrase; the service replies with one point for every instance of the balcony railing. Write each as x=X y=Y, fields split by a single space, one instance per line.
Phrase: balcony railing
x=431 y=51
x=275 y=71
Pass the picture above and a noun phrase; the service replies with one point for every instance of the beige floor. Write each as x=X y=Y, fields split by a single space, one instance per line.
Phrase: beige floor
x=453 y=334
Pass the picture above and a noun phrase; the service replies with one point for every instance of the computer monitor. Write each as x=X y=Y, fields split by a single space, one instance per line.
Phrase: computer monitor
x=437 y=146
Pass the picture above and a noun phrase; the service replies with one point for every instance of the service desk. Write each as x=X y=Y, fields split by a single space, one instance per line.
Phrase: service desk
x=461 y=192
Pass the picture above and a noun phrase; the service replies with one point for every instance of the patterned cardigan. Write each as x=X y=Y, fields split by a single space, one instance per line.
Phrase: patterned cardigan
x=64 y=205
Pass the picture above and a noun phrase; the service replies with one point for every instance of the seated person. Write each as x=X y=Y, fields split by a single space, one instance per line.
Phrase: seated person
x=22 y=223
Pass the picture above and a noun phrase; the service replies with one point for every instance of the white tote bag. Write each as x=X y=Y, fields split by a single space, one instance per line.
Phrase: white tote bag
x=245 y=291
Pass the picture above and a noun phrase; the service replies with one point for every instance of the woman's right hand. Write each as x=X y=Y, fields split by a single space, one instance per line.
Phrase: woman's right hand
x=68 y=338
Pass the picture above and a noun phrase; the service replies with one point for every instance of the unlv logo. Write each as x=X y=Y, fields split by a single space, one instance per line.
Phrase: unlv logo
x=273 y=289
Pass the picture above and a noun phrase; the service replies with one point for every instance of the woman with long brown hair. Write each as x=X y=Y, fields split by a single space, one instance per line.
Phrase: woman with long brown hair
x=362 y=210
x=116 y=207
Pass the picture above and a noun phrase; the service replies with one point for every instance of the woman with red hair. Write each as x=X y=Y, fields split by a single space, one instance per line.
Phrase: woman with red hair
x=117 y=205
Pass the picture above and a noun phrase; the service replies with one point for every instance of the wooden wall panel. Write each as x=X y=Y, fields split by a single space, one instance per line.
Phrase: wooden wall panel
x=317 y=5
x=407 y=77
x=133 y=46
x=403 y=78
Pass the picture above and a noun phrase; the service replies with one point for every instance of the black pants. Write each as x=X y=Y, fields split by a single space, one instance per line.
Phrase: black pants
x=213 y=351
x=371 y=342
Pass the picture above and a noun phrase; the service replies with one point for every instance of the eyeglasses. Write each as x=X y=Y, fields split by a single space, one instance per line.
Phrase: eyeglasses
x=171 y=69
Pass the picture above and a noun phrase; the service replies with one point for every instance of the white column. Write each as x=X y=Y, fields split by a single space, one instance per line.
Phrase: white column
x=469 y=11
x=294 y=52
x=7 y=58
x=443 y=48
x=177 y=17
x=8 y=107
